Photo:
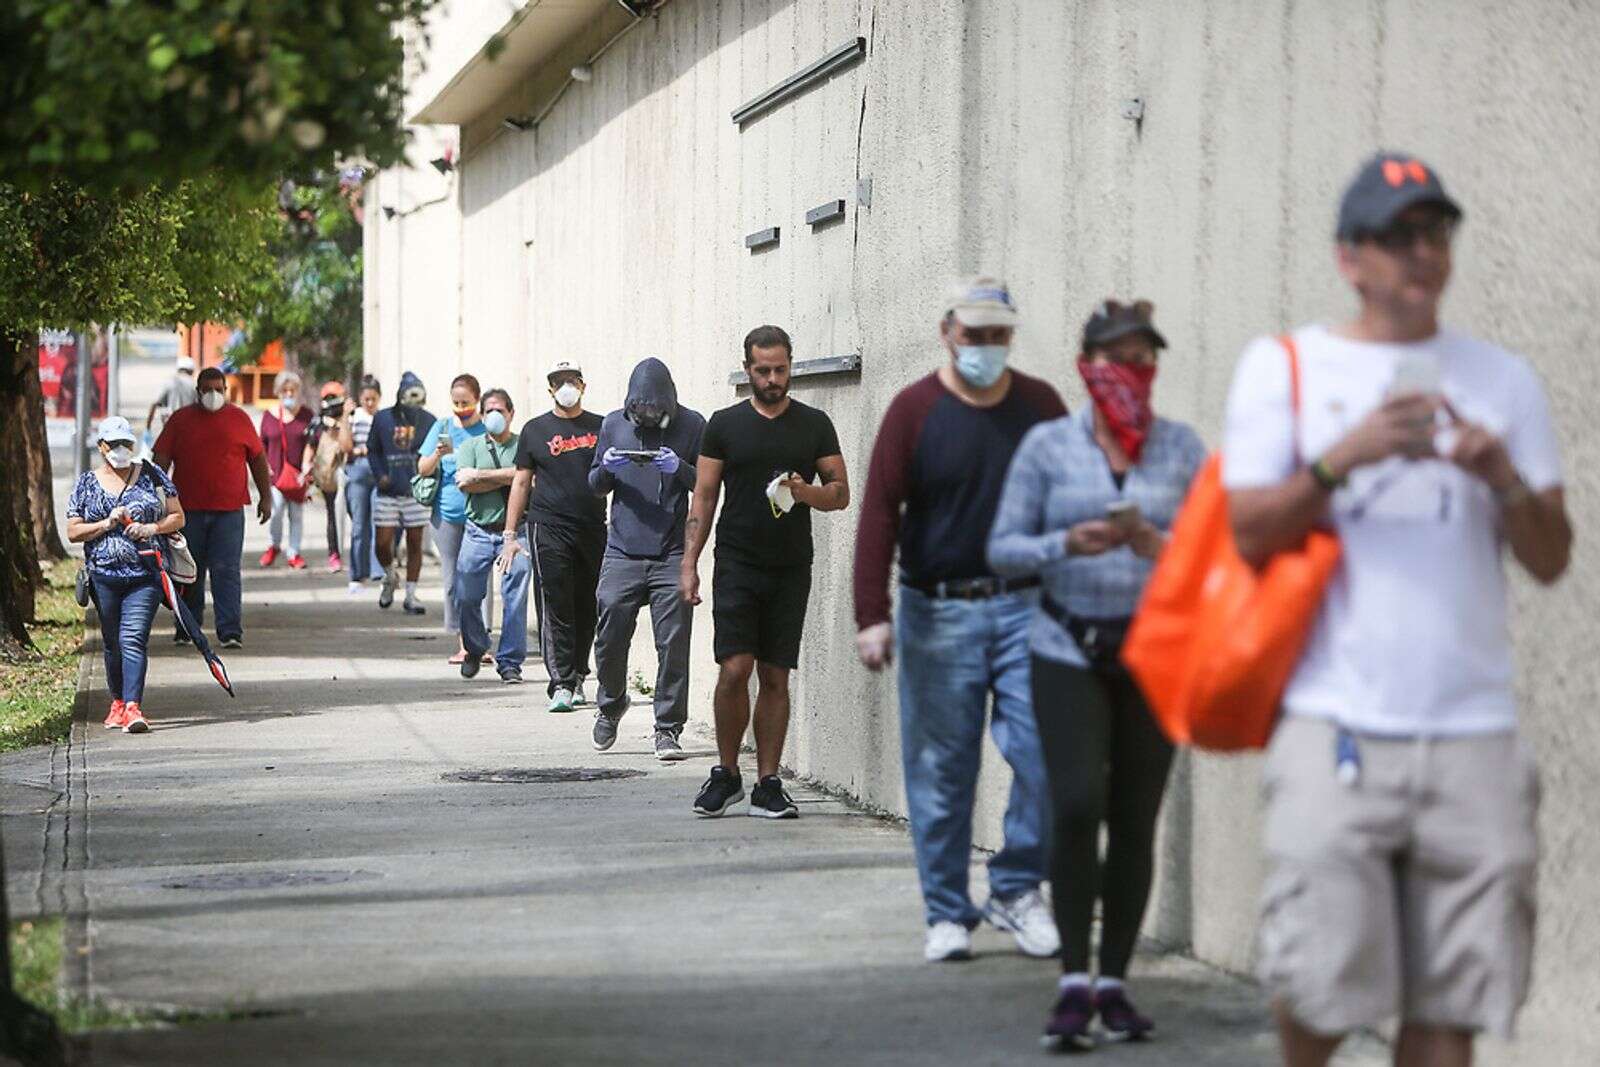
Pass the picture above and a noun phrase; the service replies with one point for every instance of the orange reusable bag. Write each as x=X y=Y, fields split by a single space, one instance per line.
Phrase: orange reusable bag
x=1215 y=641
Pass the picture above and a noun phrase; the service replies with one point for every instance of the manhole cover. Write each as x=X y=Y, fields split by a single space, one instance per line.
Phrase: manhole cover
x=265 y=879
x=536 y=775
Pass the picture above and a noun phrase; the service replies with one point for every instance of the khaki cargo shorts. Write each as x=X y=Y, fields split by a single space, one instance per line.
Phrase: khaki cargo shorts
x=1409 y=892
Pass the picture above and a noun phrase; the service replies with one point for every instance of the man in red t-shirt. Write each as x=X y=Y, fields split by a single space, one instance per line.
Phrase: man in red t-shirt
x=207 y=447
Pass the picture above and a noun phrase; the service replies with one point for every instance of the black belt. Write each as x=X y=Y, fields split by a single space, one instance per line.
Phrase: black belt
x=492 y=531
x=973 y=588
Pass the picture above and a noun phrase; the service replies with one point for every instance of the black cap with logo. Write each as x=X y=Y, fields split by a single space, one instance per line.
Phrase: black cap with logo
x=1387 y=185
x=1113 y=320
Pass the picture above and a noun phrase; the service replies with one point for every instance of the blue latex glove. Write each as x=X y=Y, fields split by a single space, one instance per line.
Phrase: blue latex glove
x=666 y=461
x=613 y=462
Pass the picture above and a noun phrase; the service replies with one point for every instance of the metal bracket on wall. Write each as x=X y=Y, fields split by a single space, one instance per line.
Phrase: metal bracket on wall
x=810 y=368
x=797 y=83
x=1133 y=109
x=832 y=211
x=761 y=238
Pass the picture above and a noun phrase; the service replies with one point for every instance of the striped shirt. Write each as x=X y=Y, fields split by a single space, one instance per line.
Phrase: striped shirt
x=1059 y=478
x=360 y=427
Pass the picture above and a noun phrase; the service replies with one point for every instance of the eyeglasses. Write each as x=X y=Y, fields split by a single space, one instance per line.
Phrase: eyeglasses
x=1403 y=236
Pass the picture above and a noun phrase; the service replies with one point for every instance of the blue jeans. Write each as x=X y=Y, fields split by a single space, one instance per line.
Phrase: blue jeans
x=953 y=655
x=474 y=565
x=216 y=539
x=127 y=609
x=359 y=490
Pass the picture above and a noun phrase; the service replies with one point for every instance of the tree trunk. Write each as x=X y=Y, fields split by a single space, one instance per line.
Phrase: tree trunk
x=41 y=496
x=19 y=565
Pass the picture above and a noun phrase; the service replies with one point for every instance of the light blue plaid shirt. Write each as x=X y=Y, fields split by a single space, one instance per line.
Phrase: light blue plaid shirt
x=1059 y=478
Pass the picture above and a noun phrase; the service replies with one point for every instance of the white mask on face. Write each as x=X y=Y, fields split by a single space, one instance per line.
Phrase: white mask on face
x=212 y=400
x=495 y=422
x=120 y=457
x=568 y=395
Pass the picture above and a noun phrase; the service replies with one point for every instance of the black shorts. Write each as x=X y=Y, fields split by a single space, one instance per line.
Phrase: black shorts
x=759 y=611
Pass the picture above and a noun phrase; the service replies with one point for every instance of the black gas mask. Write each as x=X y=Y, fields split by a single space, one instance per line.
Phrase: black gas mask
x=649 y=416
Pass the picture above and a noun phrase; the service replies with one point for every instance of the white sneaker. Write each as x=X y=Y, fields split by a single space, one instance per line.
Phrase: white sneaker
x=353 y=589
x=561 y=701
x=947 y=941
x=1028 y=920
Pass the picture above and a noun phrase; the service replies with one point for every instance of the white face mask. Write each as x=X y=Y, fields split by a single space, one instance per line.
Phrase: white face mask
x=212 y=400
x=290 y=402
x=495 y=422
x=568 y=396
x=120 y=457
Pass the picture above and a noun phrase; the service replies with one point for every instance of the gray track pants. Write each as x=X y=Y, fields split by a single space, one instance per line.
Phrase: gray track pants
x=626 y=586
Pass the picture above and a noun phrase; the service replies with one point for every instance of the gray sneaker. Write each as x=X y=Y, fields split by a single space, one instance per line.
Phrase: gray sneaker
x=668 y=750
x=605 y=731
x=391 y=579
x=561 y=701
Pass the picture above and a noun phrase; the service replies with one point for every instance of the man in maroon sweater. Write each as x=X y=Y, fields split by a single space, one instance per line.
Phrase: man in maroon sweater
x=933 y=488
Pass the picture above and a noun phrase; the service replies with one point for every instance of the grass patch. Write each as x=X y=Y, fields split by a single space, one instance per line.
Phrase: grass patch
x=36 y=976
x=37 y=688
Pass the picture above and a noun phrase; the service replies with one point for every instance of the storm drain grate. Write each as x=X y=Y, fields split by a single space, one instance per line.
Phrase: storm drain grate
x=266 y=879
x=540 y=775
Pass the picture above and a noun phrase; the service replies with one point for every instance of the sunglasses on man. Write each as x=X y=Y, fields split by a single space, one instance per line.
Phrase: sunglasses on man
x=1436 y=232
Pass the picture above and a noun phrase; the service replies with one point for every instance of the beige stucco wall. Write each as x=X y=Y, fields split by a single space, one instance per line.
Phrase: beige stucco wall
x=993 y=134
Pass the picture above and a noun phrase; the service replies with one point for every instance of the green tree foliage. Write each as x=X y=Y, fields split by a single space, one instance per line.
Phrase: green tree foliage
x=312 y=302
x=129 y=92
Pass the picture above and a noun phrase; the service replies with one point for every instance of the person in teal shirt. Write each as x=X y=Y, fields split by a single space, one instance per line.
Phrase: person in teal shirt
x=450 y=507
x=486 y=467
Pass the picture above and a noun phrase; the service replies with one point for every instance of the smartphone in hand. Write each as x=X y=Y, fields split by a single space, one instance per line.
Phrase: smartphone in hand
x=1124 y=515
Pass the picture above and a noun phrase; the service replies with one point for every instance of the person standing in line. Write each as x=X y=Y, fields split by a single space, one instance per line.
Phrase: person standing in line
x=178 y=394
x=486 y=465
x=566 y=530
x=208 y=447
x=323 y=459
x=284 y=435
x=1401 y=806
x=116 y=510
x=645 y=461
x=360 y=488
x=449 y=519
x=392 y=444
x=1087 y=504
x=768 y=451
x=933 y=487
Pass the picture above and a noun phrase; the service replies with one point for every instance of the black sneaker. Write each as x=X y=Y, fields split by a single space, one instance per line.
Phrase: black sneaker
x=1120 y=1020
x=233 y=642
x=471 y=665
x=511 y=676
x=605 y=731
x=181 y=639
x=722 y=789
x=769 y=801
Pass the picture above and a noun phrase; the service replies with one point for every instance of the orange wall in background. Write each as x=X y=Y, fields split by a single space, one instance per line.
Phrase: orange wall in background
x=207 y=342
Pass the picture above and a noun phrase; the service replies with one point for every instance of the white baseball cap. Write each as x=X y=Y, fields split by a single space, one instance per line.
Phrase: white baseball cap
x=115 y=428
x=185 y=363
x=564 y=366
x=982 y=300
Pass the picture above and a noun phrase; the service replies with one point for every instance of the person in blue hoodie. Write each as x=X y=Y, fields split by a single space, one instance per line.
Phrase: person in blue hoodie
x=645 y=459
x=392 y=452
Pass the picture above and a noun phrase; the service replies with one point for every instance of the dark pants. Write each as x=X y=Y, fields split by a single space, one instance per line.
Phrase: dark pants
x=566 y=571
x=216 y=540
x=127 y=610
x=1108 y=762
x=626 y=586
x=331 y=502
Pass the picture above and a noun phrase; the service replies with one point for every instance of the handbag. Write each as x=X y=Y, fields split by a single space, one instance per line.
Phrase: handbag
x=287 y=481
x=1216 y=640
x=425 y=489
x=81 y=590
x=181 y=566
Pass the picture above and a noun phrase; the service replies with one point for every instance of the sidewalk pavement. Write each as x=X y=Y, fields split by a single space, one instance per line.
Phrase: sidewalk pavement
x=300 y=858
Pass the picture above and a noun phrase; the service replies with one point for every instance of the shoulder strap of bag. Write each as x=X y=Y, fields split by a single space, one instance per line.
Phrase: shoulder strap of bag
x=1293 y=352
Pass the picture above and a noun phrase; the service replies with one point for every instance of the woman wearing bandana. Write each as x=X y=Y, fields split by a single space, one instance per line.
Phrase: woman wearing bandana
x=1086 y=506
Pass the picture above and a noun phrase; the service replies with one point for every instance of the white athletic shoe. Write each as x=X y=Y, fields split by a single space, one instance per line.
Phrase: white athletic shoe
x=1028 y=920
x=947 y=941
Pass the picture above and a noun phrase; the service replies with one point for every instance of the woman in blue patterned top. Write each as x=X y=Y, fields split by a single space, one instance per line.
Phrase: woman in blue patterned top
x=117 y=510
x=1086 y=506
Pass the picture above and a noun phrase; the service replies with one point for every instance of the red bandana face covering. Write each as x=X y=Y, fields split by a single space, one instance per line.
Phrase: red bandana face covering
x=1122 y=393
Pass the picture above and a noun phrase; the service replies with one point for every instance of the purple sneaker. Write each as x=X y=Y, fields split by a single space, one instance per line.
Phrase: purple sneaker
x=1119 y=1018
x=1068 y=1028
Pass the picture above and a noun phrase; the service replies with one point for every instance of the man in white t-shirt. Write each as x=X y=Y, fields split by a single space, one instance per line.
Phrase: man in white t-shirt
x=1400 y=805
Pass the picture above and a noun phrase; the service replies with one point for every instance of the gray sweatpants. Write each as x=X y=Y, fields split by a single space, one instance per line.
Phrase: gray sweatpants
x=626 y=586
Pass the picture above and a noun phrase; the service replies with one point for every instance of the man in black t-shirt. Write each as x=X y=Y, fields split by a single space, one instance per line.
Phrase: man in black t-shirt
x=566 y=530
x=767 y=452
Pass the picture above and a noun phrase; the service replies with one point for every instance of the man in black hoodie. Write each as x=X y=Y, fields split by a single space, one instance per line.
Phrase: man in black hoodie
x=392 y=445
x=646 y=459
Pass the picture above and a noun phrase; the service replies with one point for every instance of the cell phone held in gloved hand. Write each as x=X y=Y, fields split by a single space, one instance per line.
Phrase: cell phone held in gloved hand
x=640 y=456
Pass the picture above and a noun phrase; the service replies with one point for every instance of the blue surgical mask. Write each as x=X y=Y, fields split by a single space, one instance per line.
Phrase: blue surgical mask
x=495 y=422
x=981 y=365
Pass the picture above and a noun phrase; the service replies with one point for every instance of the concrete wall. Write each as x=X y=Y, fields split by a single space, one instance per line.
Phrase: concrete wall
x=993 y=133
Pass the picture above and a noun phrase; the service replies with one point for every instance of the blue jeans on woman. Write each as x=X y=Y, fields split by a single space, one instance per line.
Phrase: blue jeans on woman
x=953 y=655
x=127 y=609
x=358 y=493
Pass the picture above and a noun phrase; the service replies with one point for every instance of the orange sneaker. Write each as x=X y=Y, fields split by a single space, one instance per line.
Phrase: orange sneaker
x=270 y=556
x=133 y=720
x=118 y=715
